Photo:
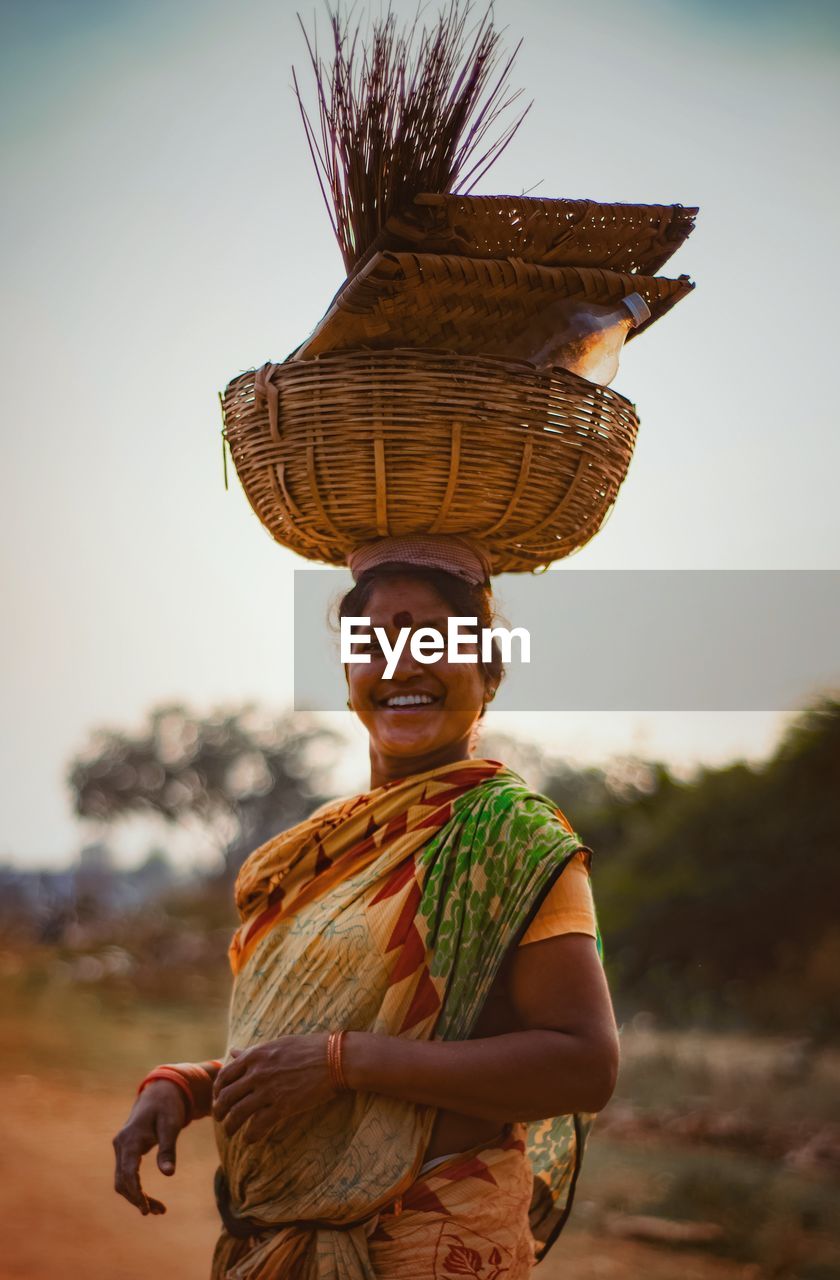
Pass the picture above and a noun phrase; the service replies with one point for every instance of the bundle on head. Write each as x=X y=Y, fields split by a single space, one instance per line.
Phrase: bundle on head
x=404 y=113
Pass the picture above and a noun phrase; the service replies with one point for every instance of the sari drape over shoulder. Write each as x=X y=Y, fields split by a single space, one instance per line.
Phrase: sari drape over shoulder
x=390 y=912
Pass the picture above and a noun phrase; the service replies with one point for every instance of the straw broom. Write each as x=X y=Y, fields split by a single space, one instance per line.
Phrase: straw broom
x=404 y=112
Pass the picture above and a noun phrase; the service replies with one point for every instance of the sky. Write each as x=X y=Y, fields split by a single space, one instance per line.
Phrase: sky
x=162 y=230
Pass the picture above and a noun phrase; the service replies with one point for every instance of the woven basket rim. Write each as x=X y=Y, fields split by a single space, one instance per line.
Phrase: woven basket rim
x=406 y=354
x=531 y=482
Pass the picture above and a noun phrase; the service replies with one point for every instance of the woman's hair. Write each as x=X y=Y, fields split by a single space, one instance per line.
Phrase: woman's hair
x=465 y=599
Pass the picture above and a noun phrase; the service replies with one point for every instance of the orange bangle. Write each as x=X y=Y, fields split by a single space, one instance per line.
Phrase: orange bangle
x=174 y=1077
x=194 y=1079
x=335 y=1064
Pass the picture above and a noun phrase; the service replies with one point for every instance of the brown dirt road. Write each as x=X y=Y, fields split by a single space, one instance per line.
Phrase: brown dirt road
x=59 y=1216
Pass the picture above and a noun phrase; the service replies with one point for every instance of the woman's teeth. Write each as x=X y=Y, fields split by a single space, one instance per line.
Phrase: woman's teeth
x=409 y=700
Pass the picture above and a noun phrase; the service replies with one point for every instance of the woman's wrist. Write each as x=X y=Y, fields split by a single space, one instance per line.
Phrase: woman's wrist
x=161 y=1087
x=365 y=1059
x=378 y=1064
x=335 y=1061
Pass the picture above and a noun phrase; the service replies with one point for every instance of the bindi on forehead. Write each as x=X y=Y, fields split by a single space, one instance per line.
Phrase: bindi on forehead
x=403 y=619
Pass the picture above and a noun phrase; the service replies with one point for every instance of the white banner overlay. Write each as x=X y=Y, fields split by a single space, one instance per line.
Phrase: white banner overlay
x=630 y=640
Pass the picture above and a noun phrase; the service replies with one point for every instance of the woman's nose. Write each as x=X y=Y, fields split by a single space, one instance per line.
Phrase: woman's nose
x=407 y=665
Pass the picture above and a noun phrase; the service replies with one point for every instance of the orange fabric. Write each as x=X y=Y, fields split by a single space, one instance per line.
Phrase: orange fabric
x=569 y=906
x=466 y=1217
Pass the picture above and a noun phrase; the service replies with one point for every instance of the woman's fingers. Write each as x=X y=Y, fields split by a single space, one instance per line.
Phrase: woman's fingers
x=131 y=1144
x=233 y=1070
x=260 y=1125
x=129 y=1149
x=167 y=1133
x=240 y=1112
x=229 y=1095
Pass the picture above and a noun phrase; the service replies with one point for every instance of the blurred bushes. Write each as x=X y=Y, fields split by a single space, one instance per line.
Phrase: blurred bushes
x=718 y=897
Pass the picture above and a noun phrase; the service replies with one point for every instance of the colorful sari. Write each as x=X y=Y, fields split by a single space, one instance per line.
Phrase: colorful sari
x=391 y=913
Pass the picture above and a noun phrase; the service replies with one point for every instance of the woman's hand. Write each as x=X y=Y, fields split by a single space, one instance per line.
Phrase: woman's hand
x=271 y=1082
x=157 y=1117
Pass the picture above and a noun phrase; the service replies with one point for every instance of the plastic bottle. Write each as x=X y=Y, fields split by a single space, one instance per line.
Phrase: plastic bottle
x=587 y=337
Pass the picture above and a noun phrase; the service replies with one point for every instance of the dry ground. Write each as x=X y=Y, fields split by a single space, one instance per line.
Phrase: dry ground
x=60 y=1217
x=70 y=1059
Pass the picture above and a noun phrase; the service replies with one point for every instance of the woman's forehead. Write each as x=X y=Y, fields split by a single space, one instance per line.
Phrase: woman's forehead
x=406 y=602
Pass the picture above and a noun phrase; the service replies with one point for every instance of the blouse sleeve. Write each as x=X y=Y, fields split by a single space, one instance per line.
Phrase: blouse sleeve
x=568 y=907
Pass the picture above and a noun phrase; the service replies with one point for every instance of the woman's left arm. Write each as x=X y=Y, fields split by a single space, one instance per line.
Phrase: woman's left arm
x=565 y=1059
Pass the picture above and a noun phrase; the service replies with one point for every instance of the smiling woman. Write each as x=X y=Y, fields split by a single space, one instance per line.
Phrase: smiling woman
x=420 y=1025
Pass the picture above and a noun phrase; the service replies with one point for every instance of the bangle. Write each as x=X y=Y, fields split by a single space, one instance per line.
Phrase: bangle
x=335 y=1064
x=174 y=1077
x=194 y=1079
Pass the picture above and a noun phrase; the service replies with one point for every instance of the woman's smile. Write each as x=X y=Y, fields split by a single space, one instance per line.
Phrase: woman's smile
x=410 y=700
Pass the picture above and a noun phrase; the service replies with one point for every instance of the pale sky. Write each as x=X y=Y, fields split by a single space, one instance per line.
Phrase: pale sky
x=163 y=230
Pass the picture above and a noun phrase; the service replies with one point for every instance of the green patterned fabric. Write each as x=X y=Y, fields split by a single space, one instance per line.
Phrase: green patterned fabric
x=486 y=872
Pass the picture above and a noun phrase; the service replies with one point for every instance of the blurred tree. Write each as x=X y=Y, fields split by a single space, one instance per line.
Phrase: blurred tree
x=524 y=758
x=241 y=774
x=94 y=880
x=154 y=875
x=719 y=895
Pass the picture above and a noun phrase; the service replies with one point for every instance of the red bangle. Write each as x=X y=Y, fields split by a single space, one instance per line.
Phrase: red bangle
x=335 y=1064
x=194 y=1079
x=174 y=1077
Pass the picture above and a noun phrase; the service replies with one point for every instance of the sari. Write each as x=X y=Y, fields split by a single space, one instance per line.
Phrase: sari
x=391 y=912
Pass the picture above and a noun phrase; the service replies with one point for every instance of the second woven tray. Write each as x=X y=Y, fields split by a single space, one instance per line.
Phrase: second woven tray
x=487 y=306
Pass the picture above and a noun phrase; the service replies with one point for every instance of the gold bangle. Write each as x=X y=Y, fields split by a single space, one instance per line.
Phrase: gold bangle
x=335 y=1064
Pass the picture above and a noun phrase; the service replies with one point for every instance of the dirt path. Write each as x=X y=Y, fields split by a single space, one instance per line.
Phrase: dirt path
x=61 y=1218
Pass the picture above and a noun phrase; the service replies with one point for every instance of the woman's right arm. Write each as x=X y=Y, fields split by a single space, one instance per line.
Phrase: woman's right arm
x=159 y=1114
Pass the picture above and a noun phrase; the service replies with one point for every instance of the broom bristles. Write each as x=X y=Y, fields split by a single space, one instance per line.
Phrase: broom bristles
x=404 y=112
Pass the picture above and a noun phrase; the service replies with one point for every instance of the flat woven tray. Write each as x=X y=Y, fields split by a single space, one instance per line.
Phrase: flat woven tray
x=470 y=305
x=354 y=445
x=554 y=233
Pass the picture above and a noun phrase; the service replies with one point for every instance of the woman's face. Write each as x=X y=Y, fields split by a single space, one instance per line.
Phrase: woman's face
x=446 y=699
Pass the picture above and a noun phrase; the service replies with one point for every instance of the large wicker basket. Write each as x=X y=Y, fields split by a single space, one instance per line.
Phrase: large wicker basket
x=353 y=445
